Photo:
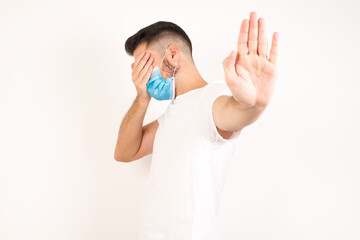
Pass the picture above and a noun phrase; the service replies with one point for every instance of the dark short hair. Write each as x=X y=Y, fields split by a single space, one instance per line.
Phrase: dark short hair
x=155 y=32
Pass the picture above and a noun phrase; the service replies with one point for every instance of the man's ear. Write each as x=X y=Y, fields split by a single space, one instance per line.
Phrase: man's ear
x=174 y=49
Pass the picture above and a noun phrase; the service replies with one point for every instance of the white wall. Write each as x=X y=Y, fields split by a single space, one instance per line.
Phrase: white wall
x=65 y=85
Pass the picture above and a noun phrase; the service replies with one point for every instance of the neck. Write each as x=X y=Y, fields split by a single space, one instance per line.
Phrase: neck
x=188 y=79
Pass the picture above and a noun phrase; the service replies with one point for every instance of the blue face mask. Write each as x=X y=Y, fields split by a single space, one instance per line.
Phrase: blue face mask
x=160 y=88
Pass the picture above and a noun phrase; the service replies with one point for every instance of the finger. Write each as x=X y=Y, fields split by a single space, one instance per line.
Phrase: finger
x=274 y=48
x=242 y=46
x=229 y=66
x=252 y=33
x=147 y=75
x=262 y=41
x=145 y=69
x=141 y=64
x=138 y=60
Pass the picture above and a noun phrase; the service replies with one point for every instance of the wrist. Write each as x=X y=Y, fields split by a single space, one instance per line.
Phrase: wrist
x=142 y=100
x=246 y=107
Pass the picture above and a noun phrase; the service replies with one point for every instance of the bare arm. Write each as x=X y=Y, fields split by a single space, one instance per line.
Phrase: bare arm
x=146 y=147
x=229 y=116
x=135 y=141
x=250 y=75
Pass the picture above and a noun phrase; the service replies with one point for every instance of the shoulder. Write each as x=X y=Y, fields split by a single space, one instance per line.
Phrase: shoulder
x=208 y=127
x=213 y=90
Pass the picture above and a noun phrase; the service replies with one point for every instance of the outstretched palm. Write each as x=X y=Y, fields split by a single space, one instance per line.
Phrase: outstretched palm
x=249 y=73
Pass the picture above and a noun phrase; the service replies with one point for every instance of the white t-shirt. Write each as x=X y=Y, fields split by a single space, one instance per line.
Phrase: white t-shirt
x=188 y=168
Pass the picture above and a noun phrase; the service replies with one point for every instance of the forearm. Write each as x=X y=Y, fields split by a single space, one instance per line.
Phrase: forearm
x=240 y=116
x=130 y=132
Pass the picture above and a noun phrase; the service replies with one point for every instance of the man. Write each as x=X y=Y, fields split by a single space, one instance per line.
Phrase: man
x=193 y=140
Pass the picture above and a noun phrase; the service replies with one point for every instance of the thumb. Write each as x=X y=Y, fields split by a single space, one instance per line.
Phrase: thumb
x=229 y=65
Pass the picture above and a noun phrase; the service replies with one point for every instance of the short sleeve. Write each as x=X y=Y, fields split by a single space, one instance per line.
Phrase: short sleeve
x=160 y=118
x=207 y=124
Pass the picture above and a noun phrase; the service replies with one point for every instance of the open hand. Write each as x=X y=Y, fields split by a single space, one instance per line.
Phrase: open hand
x=141 y=72
x=249 y=73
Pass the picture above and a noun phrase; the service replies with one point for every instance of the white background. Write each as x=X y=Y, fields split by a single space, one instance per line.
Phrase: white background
x=65 y=85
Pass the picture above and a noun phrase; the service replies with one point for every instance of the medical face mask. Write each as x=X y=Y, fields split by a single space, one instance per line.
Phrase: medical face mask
x=160 y=88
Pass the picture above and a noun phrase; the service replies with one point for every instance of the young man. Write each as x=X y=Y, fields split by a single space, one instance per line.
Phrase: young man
x=193 y=140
